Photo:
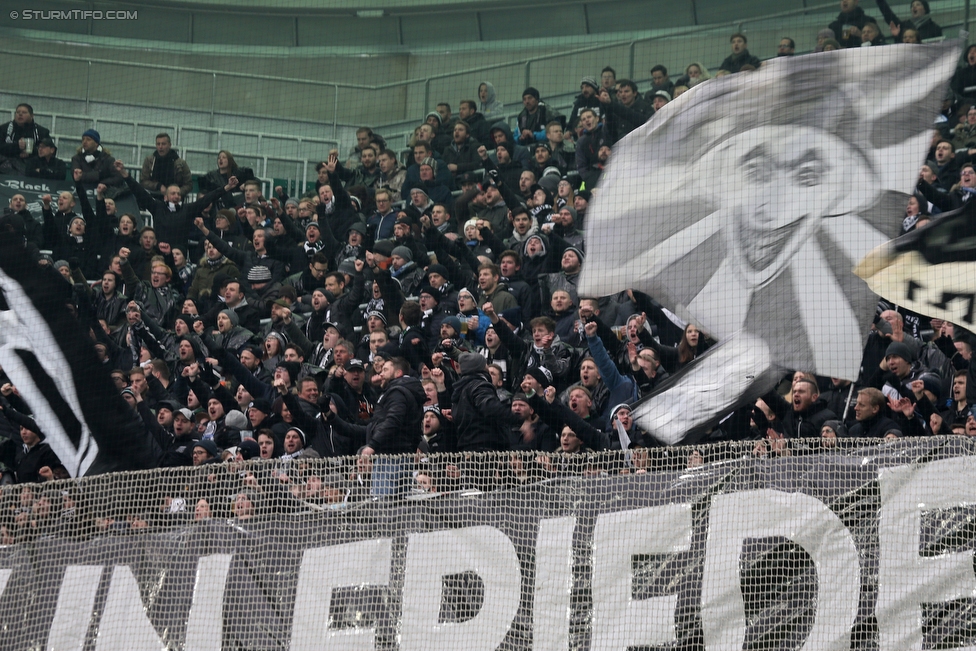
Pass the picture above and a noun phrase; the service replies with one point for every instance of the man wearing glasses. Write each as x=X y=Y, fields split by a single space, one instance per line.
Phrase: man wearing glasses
x=158 y=298
x=946 y=201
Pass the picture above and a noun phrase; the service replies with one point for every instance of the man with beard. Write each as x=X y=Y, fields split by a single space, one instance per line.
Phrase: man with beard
x=461 y=155
x=366 y=174
x=804 y=417
x=532 y=121
x=177 y=449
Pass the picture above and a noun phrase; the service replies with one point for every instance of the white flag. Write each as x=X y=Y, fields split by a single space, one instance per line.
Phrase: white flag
x=743 y=206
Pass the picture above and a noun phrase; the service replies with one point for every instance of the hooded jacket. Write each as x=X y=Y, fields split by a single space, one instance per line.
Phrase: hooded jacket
x=482 y=420
x=520 y=154
x=395 y=427
x=491 y=106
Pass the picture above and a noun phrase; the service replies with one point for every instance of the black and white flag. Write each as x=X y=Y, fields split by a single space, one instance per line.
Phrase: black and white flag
x=743 y=206
x=931 y=270
x=51 y=360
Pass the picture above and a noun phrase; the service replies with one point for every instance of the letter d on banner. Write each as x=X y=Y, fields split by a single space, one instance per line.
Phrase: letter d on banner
x=487 y=552
x=806 y=521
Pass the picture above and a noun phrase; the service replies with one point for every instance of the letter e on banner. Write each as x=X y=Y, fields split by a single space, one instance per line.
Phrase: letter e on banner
x=323 y=570
x=619 y=621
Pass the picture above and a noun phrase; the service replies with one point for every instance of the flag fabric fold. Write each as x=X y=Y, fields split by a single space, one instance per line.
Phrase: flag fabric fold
x=744 y=205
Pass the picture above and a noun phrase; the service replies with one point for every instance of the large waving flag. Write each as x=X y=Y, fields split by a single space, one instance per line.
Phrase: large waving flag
x=743 y=206
x=51 y=360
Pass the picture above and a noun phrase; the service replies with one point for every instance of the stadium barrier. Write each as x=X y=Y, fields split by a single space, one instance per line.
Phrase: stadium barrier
x=857 y=544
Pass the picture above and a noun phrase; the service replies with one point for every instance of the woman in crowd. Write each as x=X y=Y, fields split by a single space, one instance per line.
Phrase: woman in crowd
x=488 y=105
x=218 y=178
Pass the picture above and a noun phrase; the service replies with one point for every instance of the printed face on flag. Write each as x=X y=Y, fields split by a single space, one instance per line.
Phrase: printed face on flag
x=746 y=202
x=744 y=205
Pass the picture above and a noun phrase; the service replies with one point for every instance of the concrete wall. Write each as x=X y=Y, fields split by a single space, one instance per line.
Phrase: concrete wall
x=202 y=84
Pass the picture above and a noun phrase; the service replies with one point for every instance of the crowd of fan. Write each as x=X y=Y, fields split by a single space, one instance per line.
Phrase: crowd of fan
x=430 y=308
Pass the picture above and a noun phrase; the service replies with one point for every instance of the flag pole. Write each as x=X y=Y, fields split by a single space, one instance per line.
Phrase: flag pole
x=847 y=404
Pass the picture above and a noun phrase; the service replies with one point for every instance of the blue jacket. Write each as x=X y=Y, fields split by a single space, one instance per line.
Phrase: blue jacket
x=622 y=387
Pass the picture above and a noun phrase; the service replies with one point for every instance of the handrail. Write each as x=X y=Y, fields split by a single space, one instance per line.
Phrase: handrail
x=526 y=62
x=416 y=80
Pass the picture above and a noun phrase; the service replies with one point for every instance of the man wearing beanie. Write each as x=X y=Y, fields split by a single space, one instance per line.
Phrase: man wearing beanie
x=587 y=99
x=565 y=226
x=482 y=421
x=899 y=362
x=405 y=270
x=204 y=452
x=433 y=314
x=28 y=460
x=532 y=121
x=96 y=164
x=403 y=236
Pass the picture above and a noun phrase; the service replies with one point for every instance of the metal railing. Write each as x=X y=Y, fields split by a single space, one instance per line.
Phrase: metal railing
x=336 y=87
x=140 y=147
x=394 y=132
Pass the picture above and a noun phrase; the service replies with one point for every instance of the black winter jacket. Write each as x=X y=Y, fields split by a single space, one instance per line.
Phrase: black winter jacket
x=482 y=420
x=805 y=424
x=395 y=427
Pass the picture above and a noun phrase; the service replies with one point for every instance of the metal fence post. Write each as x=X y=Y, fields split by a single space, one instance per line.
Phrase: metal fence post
x=88 y=88
x=335 y=112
